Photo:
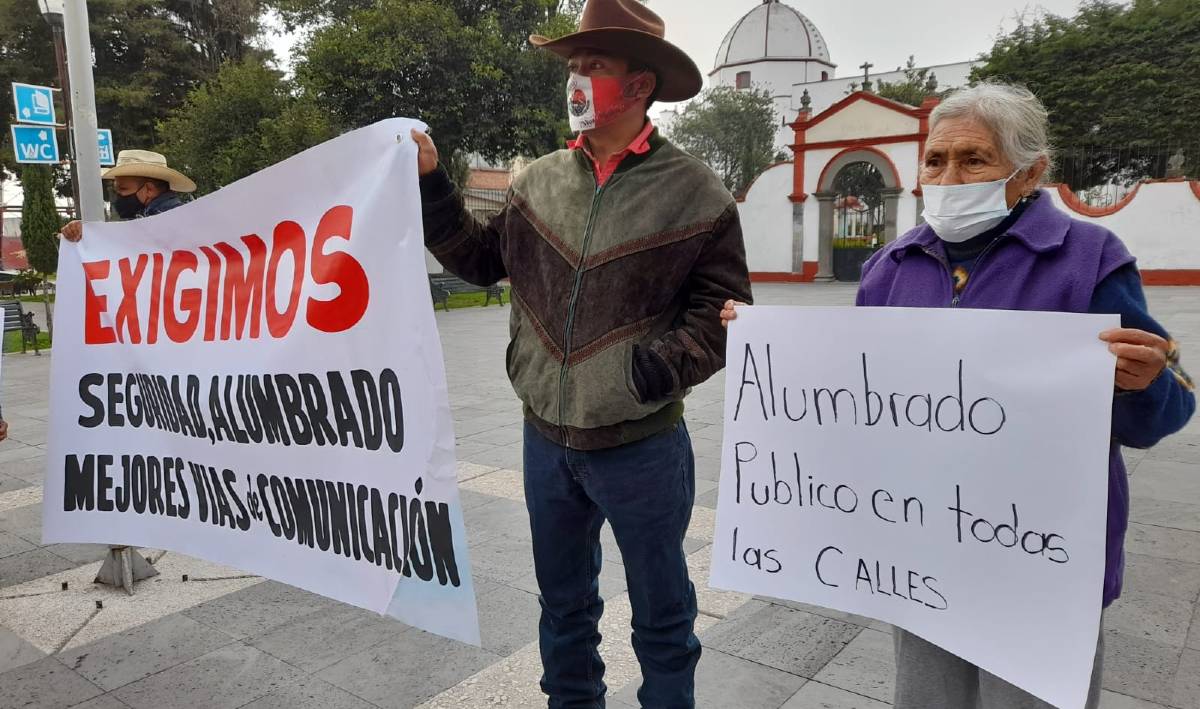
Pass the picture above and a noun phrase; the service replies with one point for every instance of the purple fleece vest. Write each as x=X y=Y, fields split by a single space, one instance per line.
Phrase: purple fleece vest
x=1046 y=261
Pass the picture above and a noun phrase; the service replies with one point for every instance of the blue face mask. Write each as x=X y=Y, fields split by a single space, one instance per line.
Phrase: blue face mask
x=958 y=213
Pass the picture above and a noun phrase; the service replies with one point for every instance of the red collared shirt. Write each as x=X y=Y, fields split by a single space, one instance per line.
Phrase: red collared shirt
x=639 y=146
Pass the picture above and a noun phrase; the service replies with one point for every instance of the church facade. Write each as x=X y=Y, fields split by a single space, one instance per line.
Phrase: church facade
x=852 y=184
x=776 y=48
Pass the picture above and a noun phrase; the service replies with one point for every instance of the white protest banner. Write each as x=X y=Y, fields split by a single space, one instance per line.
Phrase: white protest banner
x=945 y=471
x=255 y=378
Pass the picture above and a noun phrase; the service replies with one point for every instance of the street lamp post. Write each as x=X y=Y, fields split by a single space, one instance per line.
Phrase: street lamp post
x=52 y=13
x=124 y=564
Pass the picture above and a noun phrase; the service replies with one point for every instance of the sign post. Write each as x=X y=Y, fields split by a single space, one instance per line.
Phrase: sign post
x=83 y=110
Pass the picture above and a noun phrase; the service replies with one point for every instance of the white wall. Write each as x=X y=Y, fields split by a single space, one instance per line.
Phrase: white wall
x=787 y=80
x=826 y=93
x=814 y=162
x=907 y=161
x=862 y=119
x=766 y=216
x=1160 y=225
x=778 y=77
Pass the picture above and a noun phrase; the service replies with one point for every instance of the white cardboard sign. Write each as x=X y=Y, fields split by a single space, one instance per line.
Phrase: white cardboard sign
x=945 y=471
x=255 y=378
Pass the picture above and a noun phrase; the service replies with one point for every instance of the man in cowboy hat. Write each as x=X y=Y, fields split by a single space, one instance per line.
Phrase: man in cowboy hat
x=620 y=250
x=143 y=185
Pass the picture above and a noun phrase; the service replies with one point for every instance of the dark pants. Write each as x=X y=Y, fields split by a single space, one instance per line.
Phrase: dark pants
x=645 y=491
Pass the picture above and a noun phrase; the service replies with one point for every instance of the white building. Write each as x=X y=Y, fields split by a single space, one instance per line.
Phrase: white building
x=773 y=47
x=776 y=48
x=801 y=222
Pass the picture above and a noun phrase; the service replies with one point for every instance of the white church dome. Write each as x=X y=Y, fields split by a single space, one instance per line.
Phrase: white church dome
x=772 y=31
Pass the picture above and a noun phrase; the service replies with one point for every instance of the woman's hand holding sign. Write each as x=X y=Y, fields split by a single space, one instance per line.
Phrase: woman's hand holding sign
x=1141 y=356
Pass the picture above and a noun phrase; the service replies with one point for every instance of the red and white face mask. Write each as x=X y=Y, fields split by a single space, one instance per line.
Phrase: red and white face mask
x=596 y=101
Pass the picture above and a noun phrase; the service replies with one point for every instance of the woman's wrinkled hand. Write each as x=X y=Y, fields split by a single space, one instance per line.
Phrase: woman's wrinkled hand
x=1141 y=356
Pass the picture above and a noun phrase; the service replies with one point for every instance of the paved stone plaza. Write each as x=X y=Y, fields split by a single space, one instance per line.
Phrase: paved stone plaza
x=224 y=639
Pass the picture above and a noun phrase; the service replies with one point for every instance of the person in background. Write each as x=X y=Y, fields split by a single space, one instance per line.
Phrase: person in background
x=142 y=186
x=992 y=239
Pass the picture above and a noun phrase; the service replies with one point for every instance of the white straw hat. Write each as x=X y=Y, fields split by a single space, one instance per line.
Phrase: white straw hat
x=144 y=163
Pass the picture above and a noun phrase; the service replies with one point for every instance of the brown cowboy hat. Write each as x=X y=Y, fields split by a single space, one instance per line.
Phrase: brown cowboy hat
x=627 y=28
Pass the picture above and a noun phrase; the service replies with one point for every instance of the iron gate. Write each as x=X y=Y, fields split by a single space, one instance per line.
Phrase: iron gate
x=858 y=218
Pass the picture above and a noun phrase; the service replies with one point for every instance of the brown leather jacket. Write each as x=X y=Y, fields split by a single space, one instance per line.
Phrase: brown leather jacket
x=616 y=291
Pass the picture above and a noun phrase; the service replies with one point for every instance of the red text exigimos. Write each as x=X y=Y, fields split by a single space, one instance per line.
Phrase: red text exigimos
x=241 y=290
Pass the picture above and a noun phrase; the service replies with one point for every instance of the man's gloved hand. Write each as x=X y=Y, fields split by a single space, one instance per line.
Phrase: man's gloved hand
x=651 y=375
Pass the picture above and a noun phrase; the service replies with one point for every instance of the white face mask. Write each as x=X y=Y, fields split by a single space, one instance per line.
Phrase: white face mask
x=959 y=213
x=596 y=101
x=581 y=104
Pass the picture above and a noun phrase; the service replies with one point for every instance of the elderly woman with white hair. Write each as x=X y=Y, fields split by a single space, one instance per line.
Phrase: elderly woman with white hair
x=992 y=239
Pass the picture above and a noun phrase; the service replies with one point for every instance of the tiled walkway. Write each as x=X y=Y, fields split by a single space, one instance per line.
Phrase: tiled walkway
x=223 y=641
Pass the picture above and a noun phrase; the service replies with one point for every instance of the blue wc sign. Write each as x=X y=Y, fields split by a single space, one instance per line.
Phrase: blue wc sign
x=106 y=148
x=35 y=145
x=34 y=104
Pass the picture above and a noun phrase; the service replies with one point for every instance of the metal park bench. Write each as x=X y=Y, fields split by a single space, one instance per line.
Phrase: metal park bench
x=442 y=286
x=17 y=320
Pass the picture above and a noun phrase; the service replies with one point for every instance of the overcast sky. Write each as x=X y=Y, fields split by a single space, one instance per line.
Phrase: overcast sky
x=884 y=32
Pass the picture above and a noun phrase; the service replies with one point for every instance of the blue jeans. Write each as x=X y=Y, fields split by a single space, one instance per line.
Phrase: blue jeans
x=645 y=490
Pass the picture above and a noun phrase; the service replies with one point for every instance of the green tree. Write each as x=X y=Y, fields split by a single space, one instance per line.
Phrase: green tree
x=39 y=227
x=26 y=55
x=148 y=54
x=151 y=53
x=1116 y=76
x=312 y=13
x=243 y=120
x=918 y=85
x=220 y=30
x=463 y=66
x=731 y=130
